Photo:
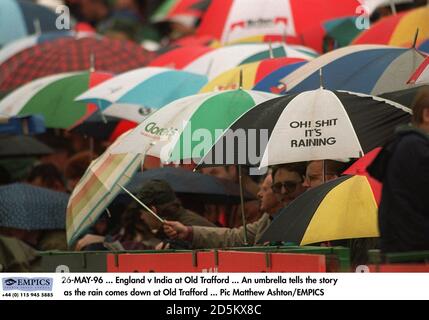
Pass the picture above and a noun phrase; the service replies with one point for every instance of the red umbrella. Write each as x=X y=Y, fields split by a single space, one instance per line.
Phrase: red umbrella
x=70 y=54
x=359 y=168
x=180 y=57
x=231 y=20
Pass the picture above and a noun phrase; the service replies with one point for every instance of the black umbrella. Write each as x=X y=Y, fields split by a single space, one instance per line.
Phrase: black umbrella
x=187 y=183
x=97 y=127
x=405 y=97
x=22 y=146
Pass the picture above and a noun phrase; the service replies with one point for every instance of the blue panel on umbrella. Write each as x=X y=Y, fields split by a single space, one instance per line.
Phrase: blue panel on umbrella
x=273 y=79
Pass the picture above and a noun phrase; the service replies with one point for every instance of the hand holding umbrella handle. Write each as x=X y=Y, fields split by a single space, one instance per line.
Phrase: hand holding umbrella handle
x=142 y=204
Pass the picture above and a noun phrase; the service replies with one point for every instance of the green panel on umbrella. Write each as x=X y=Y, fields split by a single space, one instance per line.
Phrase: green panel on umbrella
x=277 y=53
x=59 y=110
x=210 y=116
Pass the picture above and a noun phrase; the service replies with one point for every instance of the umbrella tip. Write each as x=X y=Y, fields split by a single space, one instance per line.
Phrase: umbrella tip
x=240 y=80
x=415 y=38
x=321 y=78
x=92 y=62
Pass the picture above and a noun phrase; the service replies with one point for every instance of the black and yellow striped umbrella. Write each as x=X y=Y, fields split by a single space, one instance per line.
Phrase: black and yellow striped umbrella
x=344 y=208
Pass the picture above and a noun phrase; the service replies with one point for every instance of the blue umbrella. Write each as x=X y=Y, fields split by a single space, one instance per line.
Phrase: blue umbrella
x=21 y=18
x=22 y=125
x=370 y=69
x=271 y=83
x=23 y=206
x=185 y=182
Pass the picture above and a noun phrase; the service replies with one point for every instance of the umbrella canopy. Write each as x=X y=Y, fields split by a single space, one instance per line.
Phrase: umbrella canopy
x=21 y=18
x=97 y=189
x=53 y=98
x=178 y=57
x=234 y=19
x=371 y=69
x=343 y=208
x=186 y=12
x=134 y=94
x=22 y=125
x=22 y=146
x=314 y=125
x=23 y=206
x=70 y=54
x=188 y=127
x=421 y=76
x=17 y=46
x=424 y=46
x=271 y=83
x=187 y=183
x=213 y=62
x=398 y=30
x=405 y=97
x=339 y=33
x=251 y=74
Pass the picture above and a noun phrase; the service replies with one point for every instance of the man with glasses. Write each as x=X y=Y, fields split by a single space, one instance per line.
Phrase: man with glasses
x=314 y=172
x=287 y=185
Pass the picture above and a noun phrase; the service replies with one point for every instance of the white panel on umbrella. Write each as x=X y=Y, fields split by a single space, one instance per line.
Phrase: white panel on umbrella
x=313 y=126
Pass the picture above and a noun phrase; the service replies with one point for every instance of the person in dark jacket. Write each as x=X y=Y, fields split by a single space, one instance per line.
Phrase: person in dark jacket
x=403 y=168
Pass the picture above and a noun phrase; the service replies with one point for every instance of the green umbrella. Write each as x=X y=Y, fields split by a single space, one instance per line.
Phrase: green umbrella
x=53 y=97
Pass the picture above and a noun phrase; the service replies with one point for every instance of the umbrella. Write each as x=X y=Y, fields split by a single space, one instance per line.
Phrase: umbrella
x=21 y=18
x=186 y=12
x=312 y=125
x=70 y=54
x=23 y=206
x=371 y=69
x=234 y=19
x=178 y=57
x=186 y=128
x=132 y=95
x=215 y=61
x=339 y=33
x=187 y=183
x=19 y=45
x=22 y=146
x=343 y=208
x=421 y=76
x=98 y=187
x=424 y=46
x=53 y=97
x=249 y=73
x=405 y=97
x=22 y=125
x=398 y=30
x=271 y=83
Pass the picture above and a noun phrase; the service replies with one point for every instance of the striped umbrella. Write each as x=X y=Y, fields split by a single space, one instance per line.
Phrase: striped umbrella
x=71 y=54
x=398 y=30
x=132 y=95
x=371 y=69
x=97 y=189
x=20 y=18
x=188 y=127
x=421 y=76
x=213 y=62
x=344 y=208
x=251 y=74
x=17 y=46
x=313 y=125
x=53 y=97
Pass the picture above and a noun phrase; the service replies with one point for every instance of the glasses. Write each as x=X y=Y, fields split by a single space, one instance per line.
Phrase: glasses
x=289 y=186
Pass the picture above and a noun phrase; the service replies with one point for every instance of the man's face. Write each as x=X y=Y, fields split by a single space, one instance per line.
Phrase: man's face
x=268 y=200
x=287 y=185
x=314 y=175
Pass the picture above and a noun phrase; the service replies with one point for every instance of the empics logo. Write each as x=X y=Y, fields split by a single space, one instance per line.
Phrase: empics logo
x=27 y=284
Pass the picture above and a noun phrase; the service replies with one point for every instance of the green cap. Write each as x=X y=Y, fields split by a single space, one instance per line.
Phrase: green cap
x=156 y=192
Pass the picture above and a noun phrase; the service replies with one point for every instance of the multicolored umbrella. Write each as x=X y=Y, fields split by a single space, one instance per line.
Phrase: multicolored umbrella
x=424 y=46
x=53 y=97
x=134 y=94
x=186 y=12
x=250 y=74
x=313 y=125
x=216 y=61
x=398 y=30
x=234 y=19
x=339 y=33
x=188 y=127
x=271 y=83
x=421 y=76
x=343 y=208
x=69 y=54
x=17 y=46
x=20 y=18
x=371 y=69
x=179 y=57
x=23 y=206
x=96 y=190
